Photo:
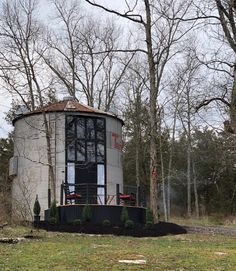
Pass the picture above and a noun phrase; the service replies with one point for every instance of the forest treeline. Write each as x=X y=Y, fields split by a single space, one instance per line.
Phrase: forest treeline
x=213 y=169
x=166 y=67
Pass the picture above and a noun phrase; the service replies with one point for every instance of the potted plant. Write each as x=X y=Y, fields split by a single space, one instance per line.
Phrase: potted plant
x=37 y=210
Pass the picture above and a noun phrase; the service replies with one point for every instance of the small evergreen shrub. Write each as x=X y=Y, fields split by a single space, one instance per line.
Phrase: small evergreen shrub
x=53 y=212
x=149 y=225
x=87 y=213
x=52 y=220
x=106 y=223
x=149 y=216
x=129 y=224
x=76 y=222
x=37 y=207
x=124 y=215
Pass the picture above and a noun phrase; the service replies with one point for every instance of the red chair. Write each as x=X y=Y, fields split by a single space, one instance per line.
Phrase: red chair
x=128 y=198
x=71 y=195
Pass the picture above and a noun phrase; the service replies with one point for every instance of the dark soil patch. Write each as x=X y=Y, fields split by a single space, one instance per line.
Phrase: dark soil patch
x=9 y=240
x=159 y=229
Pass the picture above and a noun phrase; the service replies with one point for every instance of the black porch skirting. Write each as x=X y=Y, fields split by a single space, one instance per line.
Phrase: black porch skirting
x=69 y=213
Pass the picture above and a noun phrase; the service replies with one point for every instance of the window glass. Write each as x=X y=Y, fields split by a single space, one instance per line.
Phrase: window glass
x=100 y=175
x=81 y=151
x=100 y=152
x=71 y=151
x=101 y=195
x=100 y=129
x=90 y=129
x=85 y=139
x=71 y=176
x=80 y=128
x=70 y=129
x=91 y=151
x=100 y=181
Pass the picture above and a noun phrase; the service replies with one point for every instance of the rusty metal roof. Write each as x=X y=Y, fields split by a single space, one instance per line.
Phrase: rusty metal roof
x=66 y=106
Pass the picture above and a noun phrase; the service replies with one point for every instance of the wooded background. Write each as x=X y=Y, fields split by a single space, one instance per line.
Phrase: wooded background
x=166 y=67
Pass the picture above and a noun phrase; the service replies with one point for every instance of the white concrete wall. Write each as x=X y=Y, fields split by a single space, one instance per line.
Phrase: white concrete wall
x=31 y=149
x=57 y=123
x=114 y=157
x=32 y=177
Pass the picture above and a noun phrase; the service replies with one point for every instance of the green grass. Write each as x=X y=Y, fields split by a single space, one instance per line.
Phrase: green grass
x=64 y=251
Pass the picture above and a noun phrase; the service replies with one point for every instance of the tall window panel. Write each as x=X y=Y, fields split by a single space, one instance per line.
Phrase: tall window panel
x=85 y=140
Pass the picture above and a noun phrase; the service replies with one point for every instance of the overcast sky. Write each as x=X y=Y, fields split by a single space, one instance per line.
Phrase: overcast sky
x=5 y=98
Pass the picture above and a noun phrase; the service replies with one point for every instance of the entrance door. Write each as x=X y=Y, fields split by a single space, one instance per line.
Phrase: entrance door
x=86 y=178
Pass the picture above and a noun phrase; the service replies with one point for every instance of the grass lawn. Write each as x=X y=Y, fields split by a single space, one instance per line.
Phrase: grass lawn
x=66 y=251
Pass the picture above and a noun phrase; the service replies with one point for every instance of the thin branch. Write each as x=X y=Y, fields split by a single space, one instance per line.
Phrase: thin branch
x=208 y=101
x=131 y=17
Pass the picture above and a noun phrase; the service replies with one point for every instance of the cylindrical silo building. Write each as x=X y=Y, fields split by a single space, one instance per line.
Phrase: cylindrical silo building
x=86 y=153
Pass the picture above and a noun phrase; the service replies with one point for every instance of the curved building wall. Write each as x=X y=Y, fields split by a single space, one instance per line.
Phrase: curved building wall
x=31 y=176
x=30 y=150
x=114 y=158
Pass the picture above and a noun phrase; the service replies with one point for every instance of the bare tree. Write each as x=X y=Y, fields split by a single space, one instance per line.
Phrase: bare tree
x=161 y=34
x=21 y=65
x=226 y=10
x=189 y=85
x=222 y=26
x=176 y=92
x=163 y=180
x=80 y=55
x=136 y=117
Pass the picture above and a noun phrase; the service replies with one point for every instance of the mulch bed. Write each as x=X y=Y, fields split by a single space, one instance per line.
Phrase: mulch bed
x=159 y=229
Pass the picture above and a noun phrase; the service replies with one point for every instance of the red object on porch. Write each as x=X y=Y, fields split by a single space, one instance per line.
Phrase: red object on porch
x=72 y=196
x=130 y=197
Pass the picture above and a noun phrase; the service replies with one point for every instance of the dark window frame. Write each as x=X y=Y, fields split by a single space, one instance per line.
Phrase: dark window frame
x=86 y=140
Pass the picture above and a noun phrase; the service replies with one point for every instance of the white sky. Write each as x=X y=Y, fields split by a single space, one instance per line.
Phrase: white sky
x=5 y=99
x=5 y=105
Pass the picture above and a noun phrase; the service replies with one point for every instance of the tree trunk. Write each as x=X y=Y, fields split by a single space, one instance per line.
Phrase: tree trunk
x=162 y=176
x=51 y=175
x=137 y=171
x=153 y=116
x=189 y=209
x=195 y=191
x=170 y=164
x=233 y=103
x=232 y=201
